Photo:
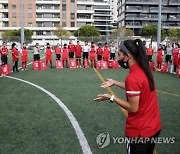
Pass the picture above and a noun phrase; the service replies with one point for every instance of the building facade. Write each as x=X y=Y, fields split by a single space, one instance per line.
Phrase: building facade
x=42 y=16
x=136 y=14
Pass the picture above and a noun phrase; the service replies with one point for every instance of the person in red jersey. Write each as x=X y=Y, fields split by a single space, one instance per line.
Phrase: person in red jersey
x=15 y=57
x=99 y=52
x=78 y=54
x=160 y=54
x=49 y=54
x=4 y=54
x=143 y=121
x=106 y=52
x=24 y=56
x=65 y=54
x=150 y=52
x=72 y=49
x=92 y=54
x=58 y=52
x=176 y=52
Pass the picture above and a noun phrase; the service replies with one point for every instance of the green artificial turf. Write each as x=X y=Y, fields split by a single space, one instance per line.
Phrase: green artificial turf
x=32 y=122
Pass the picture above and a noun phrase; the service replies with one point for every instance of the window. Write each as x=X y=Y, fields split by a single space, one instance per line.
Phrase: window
x=29 y=6
x=14 y=6
x=14 y=24
x=72 y=15
x=30 y=24
x=64 y=24
x=39 y=33
x=13 y=15
x=72 y=1
x=72 y=24
x=63 y=7
x=29 y=15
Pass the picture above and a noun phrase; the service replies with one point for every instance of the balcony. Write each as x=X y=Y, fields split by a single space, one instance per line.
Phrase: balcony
x=85 y=2
x=165 y=10
x=48 y=2
x=41 y=10
x=4 y=19
x=85 y=20
x=85 y=11
x=48 y=19
x=142 y=2
x=4 y=10
x=4 y=1
x=174 y=2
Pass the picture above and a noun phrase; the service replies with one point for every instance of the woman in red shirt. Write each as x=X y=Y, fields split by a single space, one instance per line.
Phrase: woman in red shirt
x=160 y=54
x=65 y=54
x=106 y=52
x=99 y=52
x=24 y=57
x=58 y=52
x=175 y=56
x=78 y=54
x=143 y=121
x=49 y=54
x=92 y=54
x=15 y=57
x=150 y=52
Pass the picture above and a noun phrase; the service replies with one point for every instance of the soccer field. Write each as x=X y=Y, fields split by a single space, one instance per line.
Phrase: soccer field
x=31 y=121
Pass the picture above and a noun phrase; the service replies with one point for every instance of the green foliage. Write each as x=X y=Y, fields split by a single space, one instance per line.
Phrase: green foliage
x=122 y=32
x=87 y=32
x=15 y=35
x=173 y=34
x=60 y=32
x=151 y=31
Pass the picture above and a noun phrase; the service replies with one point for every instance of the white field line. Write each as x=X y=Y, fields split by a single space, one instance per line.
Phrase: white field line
x=80 y=135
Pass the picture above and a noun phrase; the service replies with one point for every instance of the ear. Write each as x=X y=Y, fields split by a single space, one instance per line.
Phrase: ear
x=127 y=57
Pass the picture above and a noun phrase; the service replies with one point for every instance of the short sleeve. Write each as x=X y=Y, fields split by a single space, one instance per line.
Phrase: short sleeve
x=133 y=86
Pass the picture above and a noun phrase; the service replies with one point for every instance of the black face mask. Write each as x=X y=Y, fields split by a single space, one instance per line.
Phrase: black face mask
x=123 y=64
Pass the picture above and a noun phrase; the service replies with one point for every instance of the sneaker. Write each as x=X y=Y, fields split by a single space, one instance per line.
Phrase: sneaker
x=80 y=66
x=23 y=69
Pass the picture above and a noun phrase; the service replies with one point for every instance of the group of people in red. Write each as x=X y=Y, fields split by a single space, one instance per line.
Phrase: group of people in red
x=172 y=56
x=77 y=52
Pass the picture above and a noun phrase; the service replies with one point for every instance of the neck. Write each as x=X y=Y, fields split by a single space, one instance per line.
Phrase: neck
x=131 y=62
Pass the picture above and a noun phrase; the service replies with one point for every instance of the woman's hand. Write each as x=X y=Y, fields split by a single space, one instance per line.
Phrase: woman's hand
x=108 y=83
x=102 y=97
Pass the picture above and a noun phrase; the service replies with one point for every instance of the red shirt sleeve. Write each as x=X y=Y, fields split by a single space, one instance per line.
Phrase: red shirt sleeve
x=133 y=87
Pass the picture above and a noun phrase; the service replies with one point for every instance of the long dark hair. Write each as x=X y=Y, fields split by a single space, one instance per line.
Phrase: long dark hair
x=138 y=51
x=12 y=46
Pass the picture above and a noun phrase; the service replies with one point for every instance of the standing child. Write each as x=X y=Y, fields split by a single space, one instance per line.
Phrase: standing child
x=175 y=56
x=99 y=52
x=72 y=49
x=49 y=54
x=58 y=52
x=4 y=53
x=92 y=54
x=150 y=52
x=106 y=52
x=160 y=54
x=65 y=54
x=113 y=51
x=78 y=54
x=15 y=57
x=24 y=57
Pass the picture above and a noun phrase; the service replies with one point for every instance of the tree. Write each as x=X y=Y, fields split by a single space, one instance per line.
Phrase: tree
x=60 y=32
x=173 y=34
x=151 y=31
x=15 y=35
x=122 y=32
x=87 y=32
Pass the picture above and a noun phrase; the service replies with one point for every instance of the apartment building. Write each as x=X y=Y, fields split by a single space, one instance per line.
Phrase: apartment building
x=136 y=14
x=42 y=16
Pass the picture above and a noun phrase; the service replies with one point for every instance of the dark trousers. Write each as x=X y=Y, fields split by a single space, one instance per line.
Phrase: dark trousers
x=36 y=57
x=71 y=54
x=15 y=66
x=146 y=147
x=112 y=56
x=99 y=57
x=149 y=57
x=168 y=57
x=4 y=60
x=58 y=56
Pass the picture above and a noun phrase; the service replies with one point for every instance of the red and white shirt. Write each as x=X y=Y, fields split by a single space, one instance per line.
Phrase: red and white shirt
x=146 y=121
